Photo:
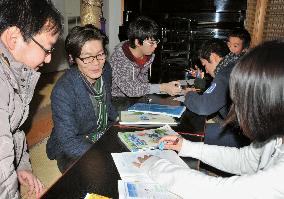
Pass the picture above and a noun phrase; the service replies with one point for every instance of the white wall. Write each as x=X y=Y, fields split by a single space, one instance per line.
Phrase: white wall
x=58 y=61
x=70 y=8
x=112 y=13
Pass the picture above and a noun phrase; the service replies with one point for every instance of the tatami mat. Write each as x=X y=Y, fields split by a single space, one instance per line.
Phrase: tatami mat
x=46 y=170
x=38 y=128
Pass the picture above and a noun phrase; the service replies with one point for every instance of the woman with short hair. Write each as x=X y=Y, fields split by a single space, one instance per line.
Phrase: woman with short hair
x=81 y=99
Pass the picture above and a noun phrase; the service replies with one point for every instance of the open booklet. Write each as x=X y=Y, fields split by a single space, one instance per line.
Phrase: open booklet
x=173 y=111
x=128 y=171
x=146 y=139
x=140 y=118
x=139 y=190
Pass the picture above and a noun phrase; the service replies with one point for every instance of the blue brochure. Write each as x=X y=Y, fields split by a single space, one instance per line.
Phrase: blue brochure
x=173 y=111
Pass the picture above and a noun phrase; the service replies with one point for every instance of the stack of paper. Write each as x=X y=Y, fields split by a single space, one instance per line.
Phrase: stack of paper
x=139 y=190
x=141 y=118
x=146 y=139
x=128 y=171
x=136 y=184
x=173 y=111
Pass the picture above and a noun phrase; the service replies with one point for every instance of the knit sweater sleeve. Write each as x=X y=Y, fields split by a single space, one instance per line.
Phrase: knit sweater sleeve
x=128 y=80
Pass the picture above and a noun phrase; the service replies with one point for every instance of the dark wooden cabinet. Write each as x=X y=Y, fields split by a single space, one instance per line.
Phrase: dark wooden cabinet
x=184 y=25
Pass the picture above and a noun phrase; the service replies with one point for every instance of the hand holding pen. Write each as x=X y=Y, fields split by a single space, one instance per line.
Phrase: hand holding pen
x=172 y=142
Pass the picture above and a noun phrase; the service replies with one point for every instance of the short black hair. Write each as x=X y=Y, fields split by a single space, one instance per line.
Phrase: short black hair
x=30 y=16
x=77 y=38
x=242 y=34
x=142 y=28
x=214 y=45
x=257 y=91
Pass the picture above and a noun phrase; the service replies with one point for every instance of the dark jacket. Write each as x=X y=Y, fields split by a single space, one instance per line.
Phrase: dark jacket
x=73 y=114
x=216 y=98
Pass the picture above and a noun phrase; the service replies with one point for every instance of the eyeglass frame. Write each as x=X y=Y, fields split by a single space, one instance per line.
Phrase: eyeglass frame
x=47 y=52
x=94 y=57
x=153 y=42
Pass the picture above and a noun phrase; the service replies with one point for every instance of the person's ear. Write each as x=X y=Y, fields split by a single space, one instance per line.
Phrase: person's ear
x=12 y=36
x=245 y=50
x=136 y=41
x=71 y=60
x=215 y=58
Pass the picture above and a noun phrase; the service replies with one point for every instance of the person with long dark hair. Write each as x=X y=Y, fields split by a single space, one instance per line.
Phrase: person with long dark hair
x=257 y=92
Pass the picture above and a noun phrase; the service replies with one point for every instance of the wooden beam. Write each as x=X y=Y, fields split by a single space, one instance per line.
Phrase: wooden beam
x=260 y=14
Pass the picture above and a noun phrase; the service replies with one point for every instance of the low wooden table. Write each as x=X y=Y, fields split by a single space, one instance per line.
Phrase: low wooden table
x=96 y=172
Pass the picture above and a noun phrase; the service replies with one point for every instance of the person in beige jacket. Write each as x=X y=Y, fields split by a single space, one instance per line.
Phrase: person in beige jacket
x=28 y=31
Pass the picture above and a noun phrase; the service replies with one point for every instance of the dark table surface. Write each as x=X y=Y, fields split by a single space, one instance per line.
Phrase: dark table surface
x=96 y=172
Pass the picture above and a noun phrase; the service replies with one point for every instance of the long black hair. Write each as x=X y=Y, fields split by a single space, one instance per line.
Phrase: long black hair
x=257 y=91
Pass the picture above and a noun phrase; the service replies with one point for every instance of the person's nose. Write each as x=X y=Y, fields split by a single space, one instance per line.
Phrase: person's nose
x=95 y=62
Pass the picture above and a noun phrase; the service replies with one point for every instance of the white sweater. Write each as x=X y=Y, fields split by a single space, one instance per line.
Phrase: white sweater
x=259 y=170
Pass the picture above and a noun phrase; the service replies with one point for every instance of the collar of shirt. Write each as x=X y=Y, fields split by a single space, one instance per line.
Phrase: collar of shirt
x=140 y=62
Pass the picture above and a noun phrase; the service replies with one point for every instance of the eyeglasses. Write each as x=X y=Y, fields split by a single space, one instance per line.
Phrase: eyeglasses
x=88 y=60
x=152 y=42
x=47 y=52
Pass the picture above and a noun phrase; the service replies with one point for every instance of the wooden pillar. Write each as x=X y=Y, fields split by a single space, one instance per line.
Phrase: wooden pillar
x=257 y=35
x=91 y=12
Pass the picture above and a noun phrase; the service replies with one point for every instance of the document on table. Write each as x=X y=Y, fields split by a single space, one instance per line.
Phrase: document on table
x=135 y=190
x=146 y=139
x=128 y=171
x=140 y=118
x=173 y=111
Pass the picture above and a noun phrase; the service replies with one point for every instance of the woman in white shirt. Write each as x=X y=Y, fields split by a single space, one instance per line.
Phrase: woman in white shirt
x=257 y=91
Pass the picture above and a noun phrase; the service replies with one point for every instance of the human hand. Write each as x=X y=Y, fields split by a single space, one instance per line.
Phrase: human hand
x=26 y=178
x=141 y=160
x=197 y=72
x=172 y=88
x=172 y=142
x=189 y=89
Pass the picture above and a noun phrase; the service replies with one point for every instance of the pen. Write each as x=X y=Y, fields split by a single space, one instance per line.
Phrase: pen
x=161 y=146
x=128 y=127
x=192 y=134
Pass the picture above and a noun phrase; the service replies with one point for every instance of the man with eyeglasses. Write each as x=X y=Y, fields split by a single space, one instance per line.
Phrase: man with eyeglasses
x=47 y=52
x=28 y=31
x=132 y=60
x=81 y=98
